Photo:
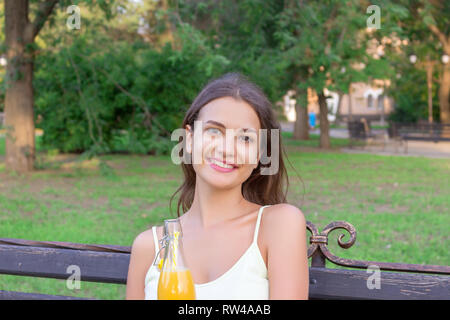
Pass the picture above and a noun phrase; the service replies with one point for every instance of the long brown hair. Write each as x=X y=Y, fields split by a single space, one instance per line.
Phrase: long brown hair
x=260 y=189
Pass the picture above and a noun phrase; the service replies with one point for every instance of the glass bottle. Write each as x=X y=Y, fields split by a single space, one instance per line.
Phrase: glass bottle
x=175 y=280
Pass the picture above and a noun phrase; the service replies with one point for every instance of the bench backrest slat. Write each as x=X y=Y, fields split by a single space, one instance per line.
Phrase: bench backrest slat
x=13 y=295
x=328 y=283
x=105 y=267
x=421 y=131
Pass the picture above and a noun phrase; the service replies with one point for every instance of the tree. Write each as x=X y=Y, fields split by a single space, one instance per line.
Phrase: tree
x=425 y=24
x=318 y=39
x=19 y=115
x=436 y=16
x=243 y=32
x=23 y=22
x=115 y=96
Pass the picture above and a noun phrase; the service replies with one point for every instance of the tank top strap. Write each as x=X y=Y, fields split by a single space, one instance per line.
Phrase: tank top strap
x=155 y=240
x=258 y=222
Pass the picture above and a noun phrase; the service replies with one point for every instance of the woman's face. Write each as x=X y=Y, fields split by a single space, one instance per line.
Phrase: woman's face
x=224 y=144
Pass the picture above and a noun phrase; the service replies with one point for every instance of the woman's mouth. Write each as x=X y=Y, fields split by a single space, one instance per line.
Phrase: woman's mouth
x=220 y=166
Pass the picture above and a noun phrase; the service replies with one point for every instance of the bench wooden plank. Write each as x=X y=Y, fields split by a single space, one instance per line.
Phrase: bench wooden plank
x=336 y=284
x=13 y=295
x=105 y=267
x=422 y=132
x=423 y=138
x=328 y=283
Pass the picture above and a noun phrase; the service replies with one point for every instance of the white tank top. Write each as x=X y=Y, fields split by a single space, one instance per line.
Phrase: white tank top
x=245 y=280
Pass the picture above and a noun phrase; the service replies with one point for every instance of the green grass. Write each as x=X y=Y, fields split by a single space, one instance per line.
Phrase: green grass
x=313 y=142
x=398 y=205
x=373 y=126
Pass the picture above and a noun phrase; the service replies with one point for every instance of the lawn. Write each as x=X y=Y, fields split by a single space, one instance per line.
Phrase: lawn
x=398 y=205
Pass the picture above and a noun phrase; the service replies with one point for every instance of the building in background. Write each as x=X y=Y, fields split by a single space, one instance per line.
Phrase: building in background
x=367 y=101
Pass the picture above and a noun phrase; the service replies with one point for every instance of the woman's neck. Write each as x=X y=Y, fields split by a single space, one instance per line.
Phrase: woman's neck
x=212 y=206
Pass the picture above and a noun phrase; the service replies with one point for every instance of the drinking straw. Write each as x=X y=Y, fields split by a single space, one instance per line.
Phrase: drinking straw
x=175 y=249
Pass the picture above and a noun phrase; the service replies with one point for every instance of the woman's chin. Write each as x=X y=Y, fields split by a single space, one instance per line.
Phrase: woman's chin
x=223 y=181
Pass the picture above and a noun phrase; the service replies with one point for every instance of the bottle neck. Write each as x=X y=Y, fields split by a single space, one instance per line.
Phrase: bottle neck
x=173 y=259
x=172 y=229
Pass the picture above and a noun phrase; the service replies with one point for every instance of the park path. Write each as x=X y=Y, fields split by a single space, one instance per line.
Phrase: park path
x=415 y=148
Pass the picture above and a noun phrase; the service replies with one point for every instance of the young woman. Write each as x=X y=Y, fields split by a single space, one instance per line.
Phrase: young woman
x=241 y=239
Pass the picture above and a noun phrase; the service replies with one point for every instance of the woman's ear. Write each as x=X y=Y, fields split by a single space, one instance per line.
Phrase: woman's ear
x=188 y=139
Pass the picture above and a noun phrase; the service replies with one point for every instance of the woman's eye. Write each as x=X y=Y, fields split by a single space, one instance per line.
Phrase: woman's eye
x=247 y=139
x=213 y=131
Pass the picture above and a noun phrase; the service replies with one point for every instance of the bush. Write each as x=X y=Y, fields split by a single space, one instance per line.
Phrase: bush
x=410 y=95
x=123 y=98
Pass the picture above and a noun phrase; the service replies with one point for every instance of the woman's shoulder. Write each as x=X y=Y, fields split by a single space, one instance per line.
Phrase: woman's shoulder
x=283 y=218
x=144 y=245
x=283 y=213
x=283 y=226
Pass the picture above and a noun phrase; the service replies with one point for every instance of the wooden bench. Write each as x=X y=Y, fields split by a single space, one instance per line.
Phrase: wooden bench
x=361 y=131
x=405 y=132
x=109 y=264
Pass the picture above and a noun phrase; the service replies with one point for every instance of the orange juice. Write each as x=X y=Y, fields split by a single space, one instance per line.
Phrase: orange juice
x=176 y=285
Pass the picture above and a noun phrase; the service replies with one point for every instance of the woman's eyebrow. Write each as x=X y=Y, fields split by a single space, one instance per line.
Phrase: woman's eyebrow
x=215 y=123
x=223 y=126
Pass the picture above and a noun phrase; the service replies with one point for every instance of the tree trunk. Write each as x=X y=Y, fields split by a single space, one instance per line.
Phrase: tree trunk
x=324 y=125
x=383 y=102
x=19 y=113
x=301 y=125
x=444 y=89
x=350 y=111
x=444 y=95
x=337 y=120
x=429 y=70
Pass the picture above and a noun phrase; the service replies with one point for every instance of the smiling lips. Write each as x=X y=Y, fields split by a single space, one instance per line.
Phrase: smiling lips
x=221 y=166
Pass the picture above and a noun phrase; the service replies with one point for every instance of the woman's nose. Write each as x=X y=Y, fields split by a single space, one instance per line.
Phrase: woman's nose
x=226 y=148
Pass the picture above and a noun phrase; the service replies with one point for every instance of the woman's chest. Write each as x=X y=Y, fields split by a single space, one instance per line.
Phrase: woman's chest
x=211 y=256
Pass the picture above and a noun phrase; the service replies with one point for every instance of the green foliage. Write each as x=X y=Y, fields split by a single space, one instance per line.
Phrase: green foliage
x=409 y=92
x=2 y=91
x=406 y=23
x=99 y=96
x=243 y=32
x=318 y=39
